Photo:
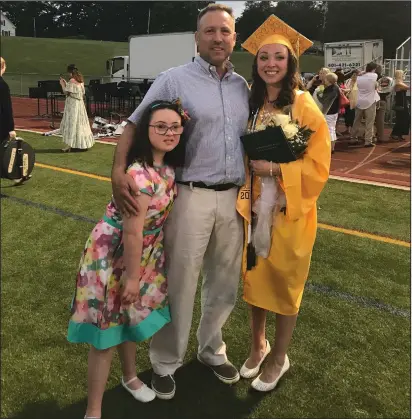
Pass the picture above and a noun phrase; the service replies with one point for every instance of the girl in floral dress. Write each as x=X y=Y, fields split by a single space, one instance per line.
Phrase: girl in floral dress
x=121 y=287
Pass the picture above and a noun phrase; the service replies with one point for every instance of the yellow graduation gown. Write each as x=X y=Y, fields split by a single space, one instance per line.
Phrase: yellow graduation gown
x=277 y=282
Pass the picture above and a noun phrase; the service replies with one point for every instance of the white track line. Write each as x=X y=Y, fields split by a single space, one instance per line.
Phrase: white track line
x=363 y=162
x=370 y=182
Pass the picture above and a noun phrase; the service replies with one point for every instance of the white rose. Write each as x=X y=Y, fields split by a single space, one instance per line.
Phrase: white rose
x=281 y=119
x=290 y=130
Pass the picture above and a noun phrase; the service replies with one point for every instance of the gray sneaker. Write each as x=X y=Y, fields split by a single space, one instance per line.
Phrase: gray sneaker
x=164 y=386
x=227 y=373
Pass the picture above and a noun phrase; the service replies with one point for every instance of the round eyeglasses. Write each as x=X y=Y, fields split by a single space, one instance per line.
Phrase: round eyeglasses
x=162 y=129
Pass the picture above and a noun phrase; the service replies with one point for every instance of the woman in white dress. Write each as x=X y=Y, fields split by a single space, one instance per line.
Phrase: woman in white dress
x=75 y=125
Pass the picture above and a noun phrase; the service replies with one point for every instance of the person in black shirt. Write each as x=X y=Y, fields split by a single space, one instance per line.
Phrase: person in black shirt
x=401 y=107
x=329 y=99
x=6 y=110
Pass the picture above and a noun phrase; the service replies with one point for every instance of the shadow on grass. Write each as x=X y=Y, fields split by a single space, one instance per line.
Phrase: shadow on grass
x=199 y=394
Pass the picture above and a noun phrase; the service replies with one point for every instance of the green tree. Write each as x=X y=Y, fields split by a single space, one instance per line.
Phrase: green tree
x=387 y=20
x=30 y=18
x=254 y=14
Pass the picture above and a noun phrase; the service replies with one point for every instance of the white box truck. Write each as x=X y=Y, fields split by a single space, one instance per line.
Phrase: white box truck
x=349 y=55
x=149 y=55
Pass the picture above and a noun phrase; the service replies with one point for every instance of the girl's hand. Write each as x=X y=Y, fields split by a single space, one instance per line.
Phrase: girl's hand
x=131 y=291
x=262 y=168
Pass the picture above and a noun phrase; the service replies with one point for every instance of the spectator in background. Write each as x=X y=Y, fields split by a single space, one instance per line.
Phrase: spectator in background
x=341 y=84
x=401 y=107
x=6 y=110
x=366 y=106
x=317 y=80
x=351 y=92
x=329 y=99
x=341 y=76
x=385 y=87
x=75 y=125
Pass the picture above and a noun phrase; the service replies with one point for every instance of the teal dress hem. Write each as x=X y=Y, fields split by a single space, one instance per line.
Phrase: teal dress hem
x=113 y=336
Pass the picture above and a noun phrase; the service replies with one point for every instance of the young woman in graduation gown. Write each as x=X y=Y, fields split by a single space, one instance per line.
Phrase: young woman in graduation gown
x=277 y=282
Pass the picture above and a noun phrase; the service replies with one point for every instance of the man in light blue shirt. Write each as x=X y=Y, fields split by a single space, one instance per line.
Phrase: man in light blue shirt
x=203 y=230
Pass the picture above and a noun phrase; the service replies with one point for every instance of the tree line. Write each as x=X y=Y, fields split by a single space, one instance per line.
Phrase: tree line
x=116 y=21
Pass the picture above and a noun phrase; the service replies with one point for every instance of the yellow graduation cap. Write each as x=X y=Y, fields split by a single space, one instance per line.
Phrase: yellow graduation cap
x=275 y=31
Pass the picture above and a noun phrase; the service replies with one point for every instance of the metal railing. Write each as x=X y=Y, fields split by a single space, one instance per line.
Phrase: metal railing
x=20 y=83
x=402 y=61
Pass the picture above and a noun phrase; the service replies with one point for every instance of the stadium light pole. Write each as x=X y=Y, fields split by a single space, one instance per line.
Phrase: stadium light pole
x=148 y=22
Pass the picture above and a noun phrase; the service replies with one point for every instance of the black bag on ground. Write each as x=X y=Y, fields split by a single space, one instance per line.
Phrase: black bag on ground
x=16 y=159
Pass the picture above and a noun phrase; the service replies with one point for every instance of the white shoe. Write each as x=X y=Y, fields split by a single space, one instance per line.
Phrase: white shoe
x=259 y=385
x=144 y=394
x=246 y=372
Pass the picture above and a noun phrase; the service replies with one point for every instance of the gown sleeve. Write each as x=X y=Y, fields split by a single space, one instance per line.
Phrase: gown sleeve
x=303 y=180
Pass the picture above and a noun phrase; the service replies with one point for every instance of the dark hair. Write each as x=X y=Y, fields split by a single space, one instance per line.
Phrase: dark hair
x=214 y=7
x=141 y=149
x=341 y=77
x=290 y=82
x=379 y=69
x=370 y=67
x=73 y=70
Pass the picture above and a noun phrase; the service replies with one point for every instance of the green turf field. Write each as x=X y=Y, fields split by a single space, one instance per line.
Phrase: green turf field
x=46 y=58
x=350 y=355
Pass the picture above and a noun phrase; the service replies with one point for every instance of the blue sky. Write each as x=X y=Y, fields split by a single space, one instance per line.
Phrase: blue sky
x=237 y=6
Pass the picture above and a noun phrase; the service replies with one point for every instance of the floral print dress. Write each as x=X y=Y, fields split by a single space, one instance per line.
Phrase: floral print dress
x=98 y=317
x=75 y=126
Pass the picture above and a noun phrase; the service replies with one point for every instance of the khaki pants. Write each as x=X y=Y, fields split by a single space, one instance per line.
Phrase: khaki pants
x=203 y=229
x=380 y=121
x=369 y=114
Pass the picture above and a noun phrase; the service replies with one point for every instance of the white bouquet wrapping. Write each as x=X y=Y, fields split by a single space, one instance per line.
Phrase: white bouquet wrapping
x=271 y=196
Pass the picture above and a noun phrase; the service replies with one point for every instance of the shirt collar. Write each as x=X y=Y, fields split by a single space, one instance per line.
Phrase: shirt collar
x=209 y=68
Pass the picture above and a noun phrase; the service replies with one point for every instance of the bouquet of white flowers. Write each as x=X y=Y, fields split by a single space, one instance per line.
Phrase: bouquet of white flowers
x=296 y=135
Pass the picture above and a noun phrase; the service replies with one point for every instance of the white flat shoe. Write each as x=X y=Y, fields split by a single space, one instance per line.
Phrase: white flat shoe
x=259 y=385
x=144 y=394
x=246 y=372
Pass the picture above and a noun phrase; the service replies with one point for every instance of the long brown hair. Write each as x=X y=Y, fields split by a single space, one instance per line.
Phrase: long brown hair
x=73 y=70
x=290 y=82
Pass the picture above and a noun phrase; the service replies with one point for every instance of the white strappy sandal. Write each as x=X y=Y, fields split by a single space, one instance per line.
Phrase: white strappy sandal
x=144 y=394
